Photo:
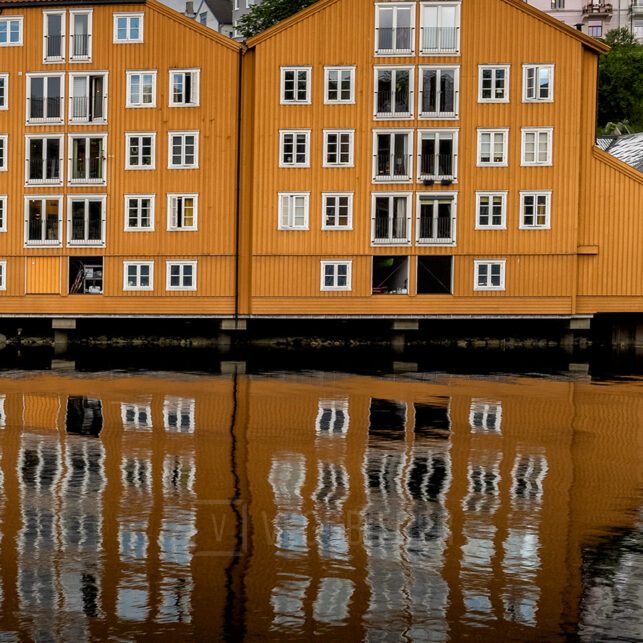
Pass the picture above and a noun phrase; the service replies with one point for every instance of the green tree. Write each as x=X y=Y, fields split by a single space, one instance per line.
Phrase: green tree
x=269 y=13
x=620 y=81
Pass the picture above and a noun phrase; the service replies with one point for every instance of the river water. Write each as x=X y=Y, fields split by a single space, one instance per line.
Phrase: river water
x=413 y=505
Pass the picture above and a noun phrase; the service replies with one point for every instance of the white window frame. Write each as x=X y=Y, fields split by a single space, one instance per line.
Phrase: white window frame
x=444 y=243
x=3 y=286
x=489 y=262
x=439 y=132
x=128 y=101
x=138 y=265
x=70 y=109
x=455 y=115
x=171 y=224
x=20 y=21
x=128 y=16
x=335 y=288
x=196 y=87
x=395 y=7
x=340 y=69
x=350 y=197
x=84 y=242
x=168 y=268
x=440 y=51
x=4 y=199
x=131 y=135
x=393 y=178
x=351 y=147
x=61 y=159
x=40 y=121
x=4 y=104
x=138 y=197
x=537 y=132
x=4 y=144
x=505 y=147
x=536 y=99
x=491 y=195
x=494 y=80
x=63 y=36
x=182 y=135
x=282 y=147
x=90 y=35
x=388 y=116
x=290 y=224
x=282 y=85
x=535 y=194
x=409 y=213
x=70 y=154
x=46 y=243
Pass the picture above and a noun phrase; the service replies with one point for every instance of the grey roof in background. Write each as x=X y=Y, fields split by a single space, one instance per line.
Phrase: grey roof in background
x=222 y=9
x=628 y=148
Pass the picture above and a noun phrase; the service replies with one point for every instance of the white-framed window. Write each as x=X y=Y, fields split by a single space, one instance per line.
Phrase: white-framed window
x=338 y=148
x=337 y=211
x=43 y=221
x=139 y=212
x=86 y=220
x=138 y=275
x=128 y=28
x=53 y=28
x=183 y=150
x=88 y=97
x=294 y=210
x=80 y=35
x=394 y=96
x=295 y=85
x=4 y=151
x=491 y=210
x=3 y=286
x=537 y=146
x=87 y=159
x=182 y=211
x=11 y=31
x=294 y=148
x=440 y=28
x=489 y=274
x=336 y=275
x=185 y=87
x=339 y=85
x=45 y=96
x=391 y=219
x=394 y=29
x=439 y=92
x=43 y=160
x=392 y=155
x=438 y=155
x=492 y=147
x=141 y=88
x=493 y=83
x=180 y=275
x=4 y=92
x=537 y=83
x=436 y=218
x=3 y=212
x=485 y=416
x=140 y=151
x=535 y=210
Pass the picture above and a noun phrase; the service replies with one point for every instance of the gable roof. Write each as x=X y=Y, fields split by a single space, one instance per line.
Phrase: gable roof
x=9 y=4
x=222 y=9
x=628 y=148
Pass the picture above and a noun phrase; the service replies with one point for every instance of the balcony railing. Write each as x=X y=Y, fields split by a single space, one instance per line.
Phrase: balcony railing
x=395 y=40
x=392 y=167
x=598 y=9
x=436 y=229
x=87 y=109
x=54 y=48
x=42 y=171
x=36 y=236
x=429 y=107
x=440 y=40
x=393 y=104
x=390 y=229
x=45 y=109
x=90 y=171
x=437 y=167
x=80 y=46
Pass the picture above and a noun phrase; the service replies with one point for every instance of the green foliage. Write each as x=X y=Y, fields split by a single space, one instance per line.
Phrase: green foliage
x=620 y=81
x=269 y=13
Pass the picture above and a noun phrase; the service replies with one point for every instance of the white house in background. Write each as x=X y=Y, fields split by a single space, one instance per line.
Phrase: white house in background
x=216 y=14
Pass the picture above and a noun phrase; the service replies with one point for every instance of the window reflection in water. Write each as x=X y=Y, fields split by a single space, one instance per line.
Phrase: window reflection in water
x=136 y=417
x=485 y=416
x=332 y=601
x=332 y=418
x=84 y=416
x=3 y=416
x=179 y=415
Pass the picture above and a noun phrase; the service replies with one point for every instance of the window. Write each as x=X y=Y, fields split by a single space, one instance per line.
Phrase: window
x=337 y=211
x=54 y=36
x=141 y=89
x=439 y=92
x=440 y=28
x=295 y=85
x=44 y=160
x=438 y=155
x=557 y=4
x=4 y=91
x=492 y=147
x=181 y=275
x=436 y=219
x=203 y=18
x=45 y=98
x=88 y=98
x=141 y=152
x=489 y=275
x=336 y=275
x=491 y=210
x=183 y=150
x=293 y=211
x=340 y=85
x=3 y=213
x=182 y=211
x=184 y=87
x=393 y=92
x=535 y=210
x=392 y=156
x=493 y=84
x=88 y=159
x=294 y=148
x=139 y=212
x=536 y=146
x=43 y=221
x=138 y=275
x=128 y=27
x=80 y=40
x=538 y=83
x=394 y=29
x=391 y=224
x=11 y=31
x=338 y=148
x=4 y=143
x=86 y=221
x=595 y=29
x=3 y=286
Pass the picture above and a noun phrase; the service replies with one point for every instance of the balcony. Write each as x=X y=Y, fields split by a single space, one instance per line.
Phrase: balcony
x=44 y=110
x=393 y=104
x=88 y=171
x=440 y=40
x=80 y=47
x=54 y=48
x=597 y=10
x=437 y=167
x=395 y=41
x=43 y=171
x=88 y=110
x=392 y=167
x=436 y=229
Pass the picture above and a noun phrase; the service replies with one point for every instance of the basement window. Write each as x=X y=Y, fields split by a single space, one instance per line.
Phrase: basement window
x=435 y=276
x=390 y=275
x=85 y=275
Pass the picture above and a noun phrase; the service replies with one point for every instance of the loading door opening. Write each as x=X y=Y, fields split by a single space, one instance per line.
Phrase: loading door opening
x=435 y=275
x=85 y=275
x=390 y=275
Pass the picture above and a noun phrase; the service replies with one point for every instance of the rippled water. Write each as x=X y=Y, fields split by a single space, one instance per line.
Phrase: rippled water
x=278 y=506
